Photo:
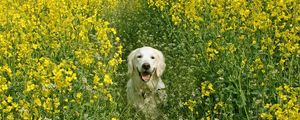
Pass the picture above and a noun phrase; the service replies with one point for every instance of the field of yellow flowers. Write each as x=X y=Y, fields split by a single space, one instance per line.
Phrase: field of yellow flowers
x=57 y=58
x=226 y=59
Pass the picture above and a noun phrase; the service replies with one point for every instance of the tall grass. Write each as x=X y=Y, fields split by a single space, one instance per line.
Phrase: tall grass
x=61 y=59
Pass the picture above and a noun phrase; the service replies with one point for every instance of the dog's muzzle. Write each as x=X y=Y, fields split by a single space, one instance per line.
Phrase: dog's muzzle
x=146 y=75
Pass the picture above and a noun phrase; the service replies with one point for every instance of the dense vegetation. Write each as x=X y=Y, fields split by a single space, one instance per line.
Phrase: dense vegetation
x=226 y=59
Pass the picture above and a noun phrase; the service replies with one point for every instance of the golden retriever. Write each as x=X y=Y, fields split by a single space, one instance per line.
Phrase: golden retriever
x=145 y=89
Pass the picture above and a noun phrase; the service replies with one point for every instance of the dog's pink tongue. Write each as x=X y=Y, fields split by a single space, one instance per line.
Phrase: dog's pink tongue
x=146 y=76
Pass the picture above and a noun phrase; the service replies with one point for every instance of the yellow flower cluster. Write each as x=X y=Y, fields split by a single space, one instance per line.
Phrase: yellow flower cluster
x=4 y=83
x=277 y=20
x=161 y=4
x=219 y=107
x=257 y=65
x=287 y=106
x=207 y=89
x=190 y=104
x=260 y=37
x=179 y=10
x=63 y=75
x=54 y=55
x=211 y=51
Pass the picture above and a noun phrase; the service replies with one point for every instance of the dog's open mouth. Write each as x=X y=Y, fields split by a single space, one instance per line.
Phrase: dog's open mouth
x=145 y=76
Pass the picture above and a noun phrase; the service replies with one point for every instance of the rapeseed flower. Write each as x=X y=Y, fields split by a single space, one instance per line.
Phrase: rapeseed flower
x=190 y=104
x=49 y=50
x=206 y=89
x=265 y=34
x=287 y=107
x=107 y=79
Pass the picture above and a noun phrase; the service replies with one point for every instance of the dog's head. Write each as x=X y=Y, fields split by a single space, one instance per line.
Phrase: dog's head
x=146 y=62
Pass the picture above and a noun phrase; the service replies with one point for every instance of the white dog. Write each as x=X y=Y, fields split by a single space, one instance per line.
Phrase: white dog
x=145 y=89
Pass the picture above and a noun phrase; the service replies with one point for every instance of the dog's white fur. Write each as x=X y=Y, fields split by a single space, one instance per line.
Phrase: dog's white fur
x=146 y=95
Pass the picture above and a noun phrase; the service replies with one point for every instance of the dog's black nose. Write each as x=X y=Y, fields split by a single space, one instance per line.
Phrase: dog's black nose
x=146 y=66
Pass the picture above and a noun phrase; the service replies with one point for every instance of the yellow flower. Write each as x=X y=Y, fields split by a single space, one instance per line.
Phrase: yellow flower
x=287 y=108
x=243 y=63
x=210 y=87
x=266 y=116
x=38 y=102
x=114 y=31
x=7 y=70
x=117 y=39
x=25 y=115
x=107 y=79
x=112 y=62
x=206 y=89
x=78 y=95
x=190 y=104
x=109 y=97
x=267 y=106
x=4 y=87
x=96 y=80
x=242 y=37
x=253 y=42
x=30 y=86
x=9 y=99
x=47 y=105
x=15 y=105
x=56 y=103
x=10 y=116
x=8 y=109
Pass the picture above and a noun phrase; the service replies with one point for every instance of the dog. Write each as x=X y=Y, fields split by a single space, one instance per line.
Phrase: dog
x=145 y=89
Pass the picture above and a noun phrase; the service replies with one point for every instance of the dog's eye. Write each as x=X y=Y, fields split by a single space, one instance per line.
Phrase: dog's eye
x=152 y=57
x=139 y=56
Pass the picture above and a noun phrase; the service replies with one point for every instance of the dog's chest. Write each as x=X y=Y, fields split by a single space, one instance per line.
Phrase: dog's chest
x=145 y=92
x=148 y=96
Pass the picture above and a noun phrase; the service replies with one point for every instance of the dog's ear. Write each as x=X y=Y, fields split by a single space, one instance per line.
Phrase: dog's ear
x=130 y=63
x=161 y=65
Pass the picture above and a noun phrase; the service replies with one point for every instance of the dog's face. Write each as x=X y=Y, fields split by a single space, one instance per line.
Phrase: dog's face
x=146 y=62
